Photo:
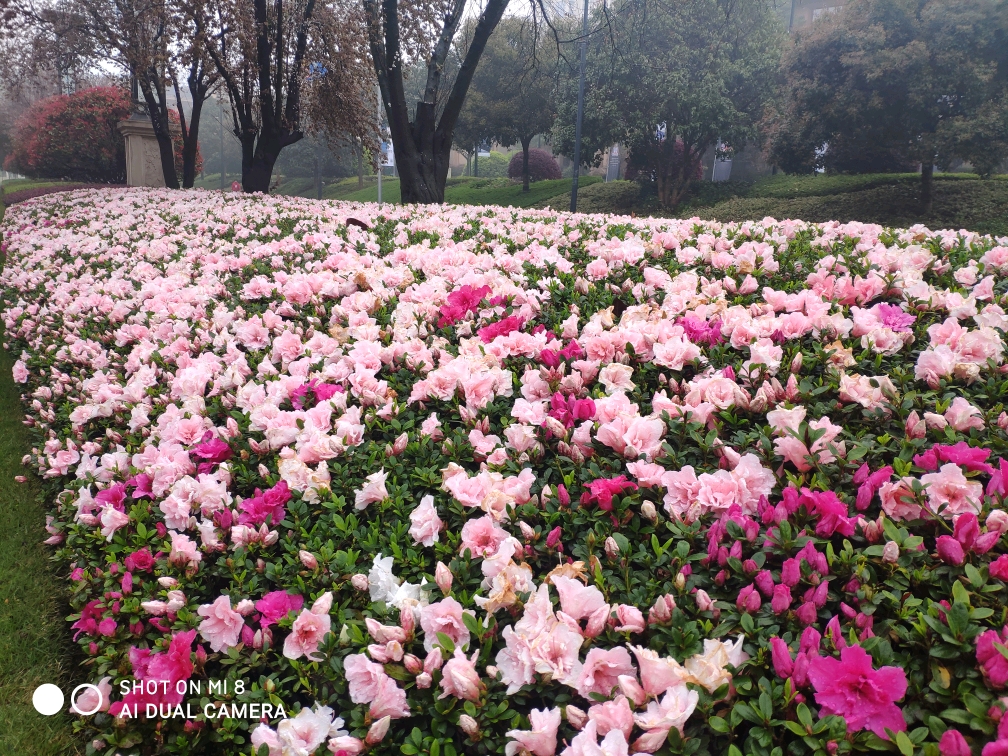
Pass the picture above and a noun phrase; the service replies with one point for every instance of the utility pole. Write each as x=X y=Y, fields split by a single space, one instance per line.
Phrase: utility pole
x=580 y=112
x=223 y=171
x=318 y=170
x=381 y=142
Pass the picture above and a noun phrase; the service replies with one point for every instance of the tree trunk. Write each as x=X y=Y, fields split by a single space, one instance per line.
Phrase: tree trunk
x=190 y=149
x=476 y=162
x=525 y=168
x=927 y=187
x=257 y=177
x=162 y=131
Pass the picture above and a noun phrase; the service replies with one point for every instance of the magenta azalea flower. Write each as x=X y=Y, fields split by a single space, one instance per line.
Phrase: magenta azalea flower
x=894 y=318
x=865 y=697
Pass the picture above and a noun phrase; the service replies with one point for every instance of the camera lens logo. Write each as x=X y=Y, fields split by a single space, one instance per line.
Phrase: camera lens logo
x=48 y=699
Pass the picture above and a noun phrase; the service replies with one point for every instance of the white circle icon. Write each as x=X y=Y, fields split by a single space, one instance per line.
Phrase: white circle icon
x=76 y=692
x=47 y=699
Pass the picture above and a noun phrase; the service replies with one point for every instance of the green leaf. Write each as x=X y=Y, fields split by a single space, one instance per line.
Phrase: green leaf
x=904 y=744
x=959 y=593
x=804 y=715
x=718 y=724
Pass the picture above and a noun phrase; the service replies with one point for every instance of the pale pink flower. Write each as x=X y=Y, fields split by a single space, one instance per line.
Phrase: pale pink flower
x=309 y=629
x=374 y=490
x=601 y=671
x=425 y=523
x=20 y=372
x=962 y=415
x=482 y=536
x=221 y=626
x=112 y=519
x=950 y=487
x=658 y=673
x=612 y=715
x=445 y=616
x=363 y=676
x=460 y=678
x=389 y=701
x=541 y=740
x=672 y=710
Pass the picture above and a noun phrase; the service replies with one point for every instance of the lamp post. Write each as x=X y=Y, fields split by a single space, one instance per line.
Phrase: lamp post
x=580 y=112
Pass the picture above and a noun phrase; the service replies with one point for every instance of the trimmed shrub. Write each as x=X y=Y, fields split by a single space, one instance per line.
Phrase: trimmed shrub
x=73 y=137
x=542 y=166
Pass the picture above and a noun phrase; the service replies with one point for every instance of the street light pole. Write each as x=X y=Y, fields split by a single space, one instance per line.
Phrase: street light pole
x=381 y=152
x=580 y=112
x=223 y=174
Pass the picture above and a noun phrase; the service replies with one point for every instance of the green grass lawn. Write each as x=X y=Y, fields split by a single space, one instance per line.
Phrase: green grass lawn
x=960 y=200
x=34 y=645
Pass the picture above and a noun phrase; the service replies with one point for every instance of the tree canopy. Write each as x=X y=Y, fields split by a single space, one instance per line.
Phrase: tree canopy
x=897 y=84
x=662 y=75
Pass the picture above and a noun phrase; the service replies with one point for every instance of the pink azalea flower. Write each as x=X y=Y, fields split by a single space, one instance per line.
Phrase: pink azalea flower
x=221 y=625
x=425 y=523
x=992 y=662
x=541 y=740
x=851 y=688
x=308 y=630
x=460 y=678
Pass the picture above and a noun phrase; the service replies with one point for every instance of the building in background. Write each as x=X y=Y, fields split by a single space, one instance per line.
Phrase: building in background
x=805 y=12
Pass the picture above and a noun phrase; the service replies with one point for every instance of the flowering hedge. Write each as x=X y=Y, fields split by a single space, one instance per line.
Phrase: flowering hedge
x=446 y=480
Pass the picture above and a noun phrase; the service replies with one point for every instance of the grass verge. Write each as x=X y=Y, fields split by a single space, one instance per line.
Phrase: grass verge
x=34 y=645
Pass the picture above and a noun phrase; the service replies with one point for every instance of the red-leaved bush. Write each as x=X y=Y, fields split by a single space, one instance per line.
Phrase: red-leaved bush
x=76 y=137
x=73 y=137
x=542 y=166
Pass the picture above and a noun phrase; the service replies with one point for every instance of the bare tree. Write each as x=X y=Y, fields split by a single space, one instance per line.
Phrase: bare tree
x=397 y=33
x=264 y=51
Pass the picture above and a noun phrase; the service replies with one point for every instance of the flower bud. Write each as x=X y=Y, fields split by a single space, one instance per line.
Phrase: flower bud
x=433 y=661
x=170 y=582
x=648 y=512
x=915 y=426
x=631 y=689
x=997 y=520
x=360 y=581
x=611 y=547
x=399 y=445
x=661 y=611
x=423 y=680
x=406 y=620
x=443 y=578
x=796 y=363
x=308 y=559
x=952 y=743
x=562 y=496
x=890 y=553
x=378 y=731
x=1002 y=421
x=680 y=581
x=528 y=532
x=703 y=601
x=263 y=471
x=576 y=718
x=413 y=664
x=469 y=726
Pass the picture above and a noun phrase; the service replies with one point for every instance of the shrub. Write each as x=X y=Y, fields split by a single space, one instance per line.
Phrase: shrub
x=640 y=169
x=542 y=166
x=493 y=165
x=73 y=137
x=76 y=137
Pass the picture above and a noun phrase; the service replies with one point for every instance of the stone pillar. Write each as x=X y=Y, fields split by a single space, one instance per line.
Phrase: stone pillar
x=143 y=156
